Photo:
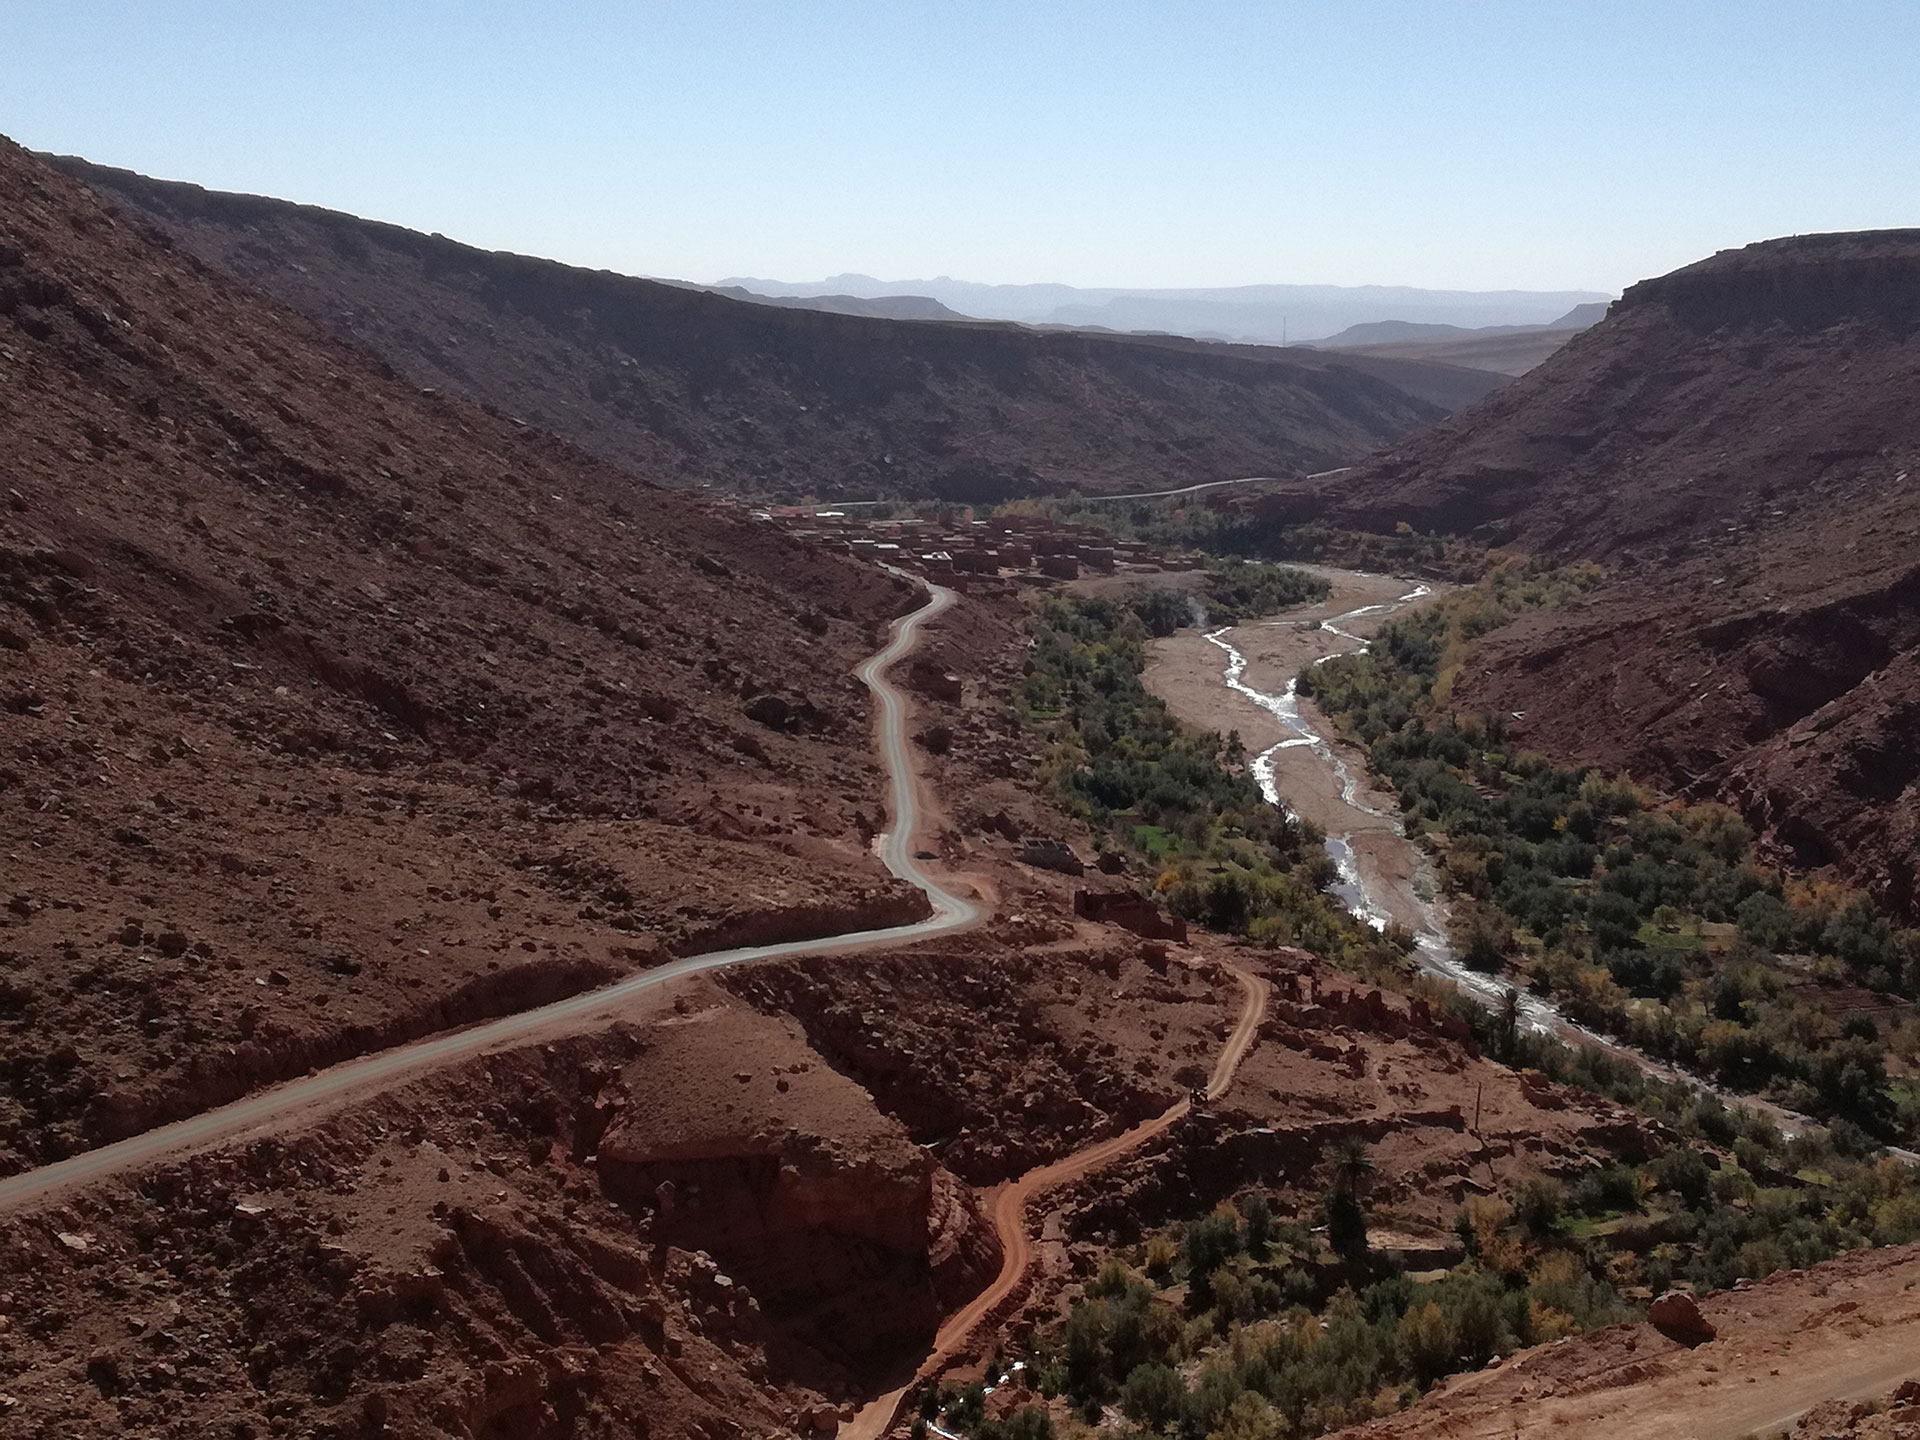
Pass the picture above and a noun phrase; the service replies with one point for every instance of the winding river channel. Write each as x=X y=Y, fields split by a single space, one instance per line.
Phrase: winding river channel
x=1385 y=877
x=1366 y=891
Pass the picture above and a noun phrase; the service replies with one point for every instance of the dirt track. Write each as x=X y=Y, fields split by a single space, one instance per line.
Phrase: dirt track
x=1010 y=1204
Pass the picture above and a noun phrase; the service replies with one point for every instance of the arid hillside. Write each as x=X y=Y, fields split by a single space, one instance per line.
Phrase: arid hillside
x=1740 y=441
x=1514 y=353
x=689 y=387
x=1764 y=384
x=332 y=713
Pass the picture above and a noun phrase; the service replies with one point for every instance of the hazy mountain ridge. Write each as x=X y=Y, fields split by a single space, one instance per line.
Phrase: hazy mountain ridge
x=682 y=385
x=1384 y=332
x=1267 y=314
x=888 y=307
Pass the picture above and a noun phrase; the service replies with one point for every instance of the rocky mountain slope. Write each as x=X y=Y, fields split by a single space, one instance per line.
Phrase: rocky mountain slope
x=332 y=712
x=1760 y=380
x=1501 y=350
x=1741 y=439
x=692 y=387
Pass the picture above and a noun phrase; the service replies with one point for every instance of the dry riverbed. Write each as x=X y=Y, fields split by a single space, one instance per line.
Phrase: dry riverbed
x=1187 y=670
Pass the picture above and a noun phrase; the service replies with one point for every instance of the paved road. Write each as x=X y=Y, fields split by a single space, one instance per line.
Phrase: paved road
x=1207 y=485
x=950 y=912
x=1139 y=495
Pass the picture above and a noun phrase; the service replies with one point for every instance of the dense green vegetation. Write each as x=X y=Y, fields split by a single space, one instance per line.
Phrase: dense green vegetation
x=1235 y=1326
x=1220 y=524
x=1648 y=920
x=1144 y=782
x=1230 y=591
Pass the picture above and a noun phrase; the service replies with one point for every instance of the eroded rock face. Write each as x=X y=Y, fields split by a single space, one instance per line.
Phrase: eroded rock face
x=740 y=1142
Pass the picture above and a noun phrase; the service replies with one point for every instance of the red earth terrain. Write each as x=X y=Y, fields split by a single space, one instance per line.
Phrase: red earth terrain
x=1740 y=442
x=1813 y=1353
x=332 y=713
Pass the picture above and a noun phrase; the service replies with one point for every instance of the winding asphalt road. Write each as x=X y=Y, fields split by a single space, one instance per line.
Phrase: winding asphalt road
x=950 y=912
x=1206 y=485
x=1137 y=495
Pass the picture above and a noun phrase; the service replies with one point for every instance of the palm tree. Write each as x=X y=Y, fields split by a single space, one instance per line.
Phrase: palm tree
x=1353 y=1167
x=1510 y=1012
x=1346 y=1210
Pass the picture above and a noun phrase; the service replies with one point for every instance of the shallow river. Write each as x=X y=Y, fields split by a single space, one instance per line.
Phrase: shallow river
x=1363 y=897
x=1365 y=837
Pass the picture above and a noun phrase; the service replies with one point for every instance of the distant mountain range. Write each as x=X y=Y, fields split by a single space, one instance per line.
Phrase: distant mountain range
x=1263 y=314
x=886 y=307
x=1398 y=332
x=676 y=383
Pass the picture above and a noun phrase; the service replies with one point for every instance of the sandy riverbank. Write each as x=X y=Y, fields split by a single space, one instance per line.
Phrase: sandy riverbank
x=1186 y=670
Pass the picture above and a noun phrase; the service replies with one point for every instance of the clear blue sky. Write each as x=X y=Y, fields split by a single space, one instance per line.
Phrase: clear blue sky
x=1473 y=143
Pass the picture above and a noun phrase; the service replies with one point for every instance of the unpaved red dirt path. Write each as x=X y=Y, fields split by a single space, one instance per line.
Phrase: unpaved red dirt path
x=1010 y=1204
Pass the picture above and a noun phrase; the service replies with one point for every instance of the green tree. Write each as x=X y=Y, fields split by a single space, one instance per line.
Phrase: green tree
x=1428 y=1341
x=1029 y=1422
x=967 y=1409
x=1346 y=1211
x=1232 y=1294
x=1507 y=1028
x=1257 y=1214
x=1153 y=1395
x=1683 y=1172
x=1212 y=1241
x=1478 y=1321
x=1250 y=1418
x=1086 y=1347
x=1538 y=1201
x=1213 y=1394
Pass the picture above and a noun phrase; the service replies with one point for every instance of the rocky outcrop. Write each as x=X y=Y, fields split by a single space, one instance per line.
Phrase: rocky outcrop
x=1055 y=855
x=1804 y=282
x=733 y=1139
x=1677 y=1316
x=1130 y=911
x=1031 y=1082
x=933 y=679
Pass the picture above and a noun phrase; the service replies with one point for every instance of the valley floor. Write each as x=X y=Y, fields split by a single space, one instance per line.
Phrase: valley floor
x=1185 y=670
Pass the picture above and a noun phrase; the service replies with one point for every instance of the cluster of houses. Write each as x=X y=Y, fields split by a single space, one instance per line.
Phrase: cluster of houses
x=954 y=549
